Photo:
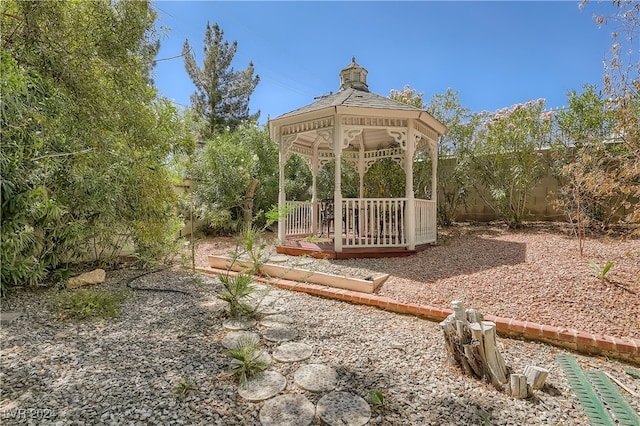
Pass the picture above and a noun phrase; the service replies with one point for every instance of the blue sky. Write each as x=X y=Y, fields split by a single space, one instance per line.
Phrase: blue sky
x=494 y=54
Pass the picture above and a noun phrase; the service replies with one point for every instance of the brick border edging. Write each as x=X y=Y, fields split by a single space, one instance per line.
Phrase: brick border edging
x=626 y=349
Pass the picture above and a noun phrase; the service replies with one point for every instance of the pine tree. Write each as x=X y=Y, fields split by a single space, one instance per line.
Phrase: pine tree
x=222 y=94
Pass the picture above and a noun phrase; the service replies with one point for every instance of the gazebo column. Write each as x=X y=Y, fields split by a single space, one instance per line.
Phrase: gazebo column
x=410 y=210
x=282 y=196
x=434 y=179
x=337 y=192
x=314 y=191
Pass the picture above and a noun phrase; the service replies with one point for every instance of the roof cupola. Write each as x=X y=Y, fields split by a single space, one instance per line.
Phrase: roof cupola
x=353 y=76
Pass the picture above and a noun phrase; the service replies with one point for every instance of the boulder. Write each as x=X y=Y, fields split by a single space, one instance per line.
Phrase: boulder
x=96 y=276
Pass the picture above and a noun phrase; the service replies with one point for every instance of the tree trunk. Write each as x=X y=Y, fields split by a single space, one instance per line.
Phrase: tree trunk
x=247 y=208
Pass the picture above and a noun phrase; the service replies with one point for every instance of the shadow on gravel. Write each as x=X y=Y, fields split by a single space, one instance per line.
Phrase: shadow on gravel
x=461 y=255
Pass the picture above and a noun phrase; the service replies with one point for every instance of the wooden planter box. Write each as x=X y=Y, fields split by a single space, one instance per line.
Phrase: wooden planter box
x=301 y=275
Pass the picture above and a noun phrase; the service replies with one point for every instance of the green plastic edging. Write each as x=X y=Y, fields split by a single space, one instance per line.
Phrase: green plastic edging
x=619 y=410
x=593 y=407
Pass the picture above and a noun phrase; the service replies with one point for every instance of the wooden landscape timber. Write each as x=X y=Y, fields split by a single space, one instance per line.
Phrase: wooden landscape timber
x=472 y=343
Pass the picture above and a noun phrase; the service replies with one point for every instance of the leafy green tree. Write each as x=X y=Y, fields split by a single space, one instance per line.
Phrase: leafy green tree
x=222 y=94
x=507 y=164
x=236 y=175
x=455 y=153
x=384 y=179
x=84 y=137
x=326 y=184
x=298 y=179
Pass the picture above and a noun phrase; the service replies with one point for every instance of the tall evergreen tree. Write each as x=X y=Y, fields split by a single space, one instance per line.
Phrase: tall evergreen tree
x=222 y=94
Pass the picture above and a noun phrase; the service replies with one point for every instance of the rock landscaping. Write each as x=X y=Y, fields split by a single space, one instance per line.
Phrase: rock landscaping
x=133 y=369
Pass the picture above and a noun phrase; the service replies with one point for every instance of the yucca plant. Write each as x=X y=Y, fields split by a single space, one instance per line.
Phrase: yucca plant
x=253 y=242
x=601 y=273
x=236 y=289
x=246 y=359
x=185 y=387
x=376 y=397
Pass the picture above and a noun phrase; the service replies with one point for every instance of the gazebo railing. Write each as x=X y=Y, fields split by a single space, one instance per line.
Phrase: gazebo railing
x=366 y=222
x=425 y=221
x=374 y=222
x=299 y=218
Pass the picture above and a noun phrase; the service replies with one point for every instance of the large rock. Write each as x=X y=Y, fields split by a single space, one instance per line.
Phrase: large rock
x=96 y=276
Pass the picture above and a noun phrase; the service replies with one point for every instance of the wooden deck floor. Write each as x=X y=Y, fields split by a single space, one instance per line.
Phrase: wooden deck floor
x=324 y=250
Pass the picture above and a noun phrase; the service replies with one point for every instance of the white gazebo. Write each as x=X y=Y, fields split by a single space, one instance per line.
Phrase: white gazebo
x=360 y=127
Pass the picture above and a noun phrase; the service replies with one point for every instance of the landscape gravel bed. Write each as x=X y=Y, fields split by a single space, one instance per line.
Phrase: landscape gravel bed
x=533 y=274
x=125 y=370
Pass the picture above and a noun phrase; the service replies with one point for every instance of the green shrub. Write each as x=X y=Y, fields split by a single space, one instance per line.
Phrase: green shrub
x=88 y=303
x=246 y=359
x=185 y=387
x=236 y=289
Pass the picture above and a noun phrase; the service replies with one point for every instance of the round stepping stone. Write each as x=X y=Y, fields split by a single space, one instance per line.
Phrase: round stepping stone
x=302 y=262
x=292 y=352
x=343 y=408
x=276 y=320
x=278 y=258
x=270 y=310
x=265 y=357
x=263 y=386
x=239 y=324
x=232 y=339
x=280 y=334
x=287 y=410
x=316 y=377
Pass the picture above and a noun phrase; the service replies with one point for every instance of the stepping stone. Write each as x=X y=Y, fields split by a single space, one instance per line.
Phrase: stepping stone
x=280 y=334
x=262 y=302
x=279 y=258
x=343 y=408
x=287 y=410
x=8 y=317
x=263 y=386
x=292 y=352
x=302 y=262
x=276 y=320
x=270 y=310
x=214 y=305
x=232 y=339
x=239 y=324
x=316 y=378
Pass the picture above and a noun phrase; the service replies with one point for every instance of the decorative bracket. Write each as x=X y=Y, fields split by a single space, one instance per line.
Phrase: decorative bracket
x=400 y=136
x=350 y=133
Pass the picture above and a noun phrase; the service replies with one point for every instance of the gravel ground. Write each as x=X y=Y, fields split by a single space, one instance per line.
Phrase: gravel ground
x=535 y=274
x=123 y=371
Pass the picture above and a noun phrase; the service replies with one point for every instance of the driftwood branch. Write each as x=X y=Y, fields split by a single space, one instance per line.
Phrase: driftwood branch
x=472 y=343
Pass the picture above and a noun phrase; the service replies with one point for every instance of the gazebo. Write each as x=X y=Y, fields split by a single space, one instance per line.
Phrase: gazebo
x=360 y=127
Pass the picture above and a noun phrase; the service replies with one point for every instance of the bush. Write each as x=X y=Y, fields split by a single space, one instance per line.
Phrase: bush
x=88 y=303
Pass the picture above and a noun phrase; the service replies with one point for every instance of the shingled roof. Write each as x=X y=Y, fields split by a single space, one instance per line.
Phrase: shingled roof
x=352 y=98
x=354 y=93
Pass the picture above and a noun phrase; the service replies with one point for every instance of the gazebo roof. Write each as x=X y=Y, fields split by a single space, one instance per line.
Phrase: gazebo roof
x=351 y=98
x=355 y=99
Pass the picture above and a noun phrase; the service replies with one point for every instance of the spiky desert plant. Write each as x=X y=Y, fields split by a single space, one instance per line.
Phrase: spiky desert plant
x=236 y=289
x=185 y=387
x=601 y=273
x=246 y=359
